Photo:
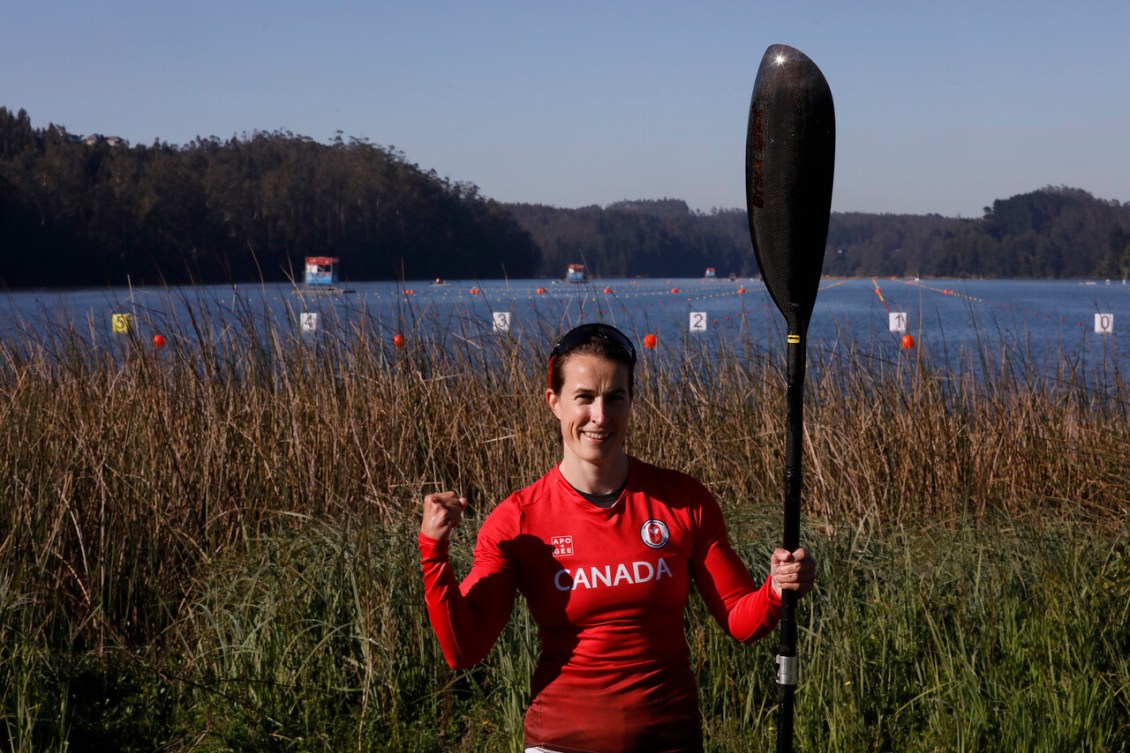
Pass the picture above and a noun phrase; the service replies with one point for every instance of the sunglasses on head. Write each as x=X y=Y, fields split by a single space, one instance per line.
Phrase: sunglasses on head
x=587 y=333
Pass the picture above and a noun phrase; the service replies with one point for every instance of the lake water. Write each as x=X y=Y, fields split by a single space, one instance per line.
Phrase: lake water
x=1046 y=324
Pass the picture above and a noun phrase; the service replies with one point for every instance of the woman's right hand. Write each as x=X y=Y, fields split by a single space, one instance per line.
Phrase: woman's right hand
x=443 y=512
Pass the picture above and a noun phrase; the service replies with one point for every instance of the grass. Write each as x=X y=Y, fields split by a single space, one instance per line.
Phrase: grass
x=211 y=547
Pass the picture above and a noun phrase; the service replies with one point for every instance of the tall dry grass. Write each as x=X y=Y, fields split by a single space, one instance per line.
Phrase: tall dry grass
x=164 y=508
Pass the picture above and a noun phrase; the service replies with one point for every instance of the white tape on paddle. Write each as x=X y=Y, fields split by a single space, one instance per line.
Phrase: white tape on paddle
x=786 y=670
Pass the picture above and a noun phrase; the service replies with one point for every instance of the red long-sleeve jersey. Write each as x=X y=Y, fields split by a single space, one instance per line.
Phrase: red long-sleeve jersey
x=607 y=588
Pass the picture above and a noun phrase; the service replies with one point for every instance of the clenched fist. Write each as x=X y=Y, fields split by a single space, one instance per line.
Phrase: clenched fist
x=443 y=512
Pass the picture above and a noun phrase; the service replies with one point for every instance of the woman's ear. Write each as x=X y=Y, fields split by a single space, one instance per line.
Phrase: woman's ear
x=551 y=398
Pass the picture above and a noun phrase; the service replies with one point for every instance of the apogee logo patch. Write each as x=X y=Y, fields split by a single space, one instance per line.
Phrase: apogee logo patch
x=655 y=534
x=562 y=546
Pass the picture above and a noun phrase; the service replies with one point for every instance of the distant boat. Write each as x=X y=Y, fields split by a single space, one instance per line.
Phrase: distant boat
x=320 y=275
x=575 y=273
x=320 y=271
x=710 y=273
x=439 y=281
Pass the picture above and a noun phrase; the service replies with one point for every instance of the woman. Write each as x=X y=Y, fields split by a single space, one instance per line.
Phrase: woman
x=604 y=548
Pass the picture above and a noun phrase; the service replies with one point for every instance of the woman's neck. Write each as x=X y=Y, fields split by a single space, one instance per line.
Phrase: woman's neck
x=595 y=479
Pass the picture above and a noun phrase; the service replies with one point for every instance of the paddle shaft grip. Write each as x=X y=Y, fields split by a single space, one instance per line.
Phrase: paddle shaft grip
x=794 y=449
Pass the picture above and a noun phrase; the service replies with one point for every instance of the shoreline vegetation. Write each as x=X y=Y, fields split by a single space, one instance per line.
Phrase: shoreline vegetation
x=211 y=547
x=84 y=211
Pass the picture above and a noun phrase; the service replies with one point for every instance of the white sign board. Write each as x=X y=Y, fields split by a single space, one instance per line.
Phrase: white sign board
x=501 y=321
x=1104 y=324
x=309 y=321
x=897 y=321
x=698 y=321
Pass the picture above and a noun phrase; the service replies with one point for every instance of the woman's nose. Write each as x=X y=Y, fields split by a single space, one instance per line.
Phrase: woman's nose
x=596 y=412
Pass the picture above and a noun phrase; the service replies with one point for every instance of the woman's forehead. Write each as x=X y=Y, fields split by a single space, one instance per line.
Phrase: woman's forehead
x=587 y=370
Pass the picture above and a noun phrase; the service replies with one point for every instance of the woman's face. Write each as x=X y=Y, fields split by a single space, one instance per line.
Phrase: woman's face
x=594 y=408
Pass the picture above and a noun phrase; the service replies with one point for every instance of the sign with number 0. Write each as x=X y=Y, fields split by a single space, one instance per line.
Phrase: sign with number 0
x=1104 y=324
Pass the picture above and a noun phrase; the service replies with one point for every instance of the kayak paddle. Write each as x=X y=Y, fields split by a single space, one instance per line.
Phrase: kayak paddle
x=790 y=155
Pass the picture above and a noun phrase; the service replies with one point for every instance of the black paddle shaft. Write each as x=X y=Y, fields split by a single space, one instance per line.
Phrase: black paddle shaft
x=790 y=156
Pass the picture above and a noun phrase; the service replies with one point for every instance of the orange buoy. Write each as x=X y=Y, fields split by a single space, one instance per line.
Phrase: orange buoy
x=907 y=342
x=607 y=290
x=650 y=340
x=541 y=290
x=474 y=291
x=409 y=291
x=674 y=290
x=741 y=291
x=158 y=341
x=398 y=340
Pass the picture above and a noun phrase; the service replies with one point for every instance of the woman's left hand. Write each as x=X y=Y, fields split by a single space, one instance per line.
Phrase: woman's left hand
x=792 y=571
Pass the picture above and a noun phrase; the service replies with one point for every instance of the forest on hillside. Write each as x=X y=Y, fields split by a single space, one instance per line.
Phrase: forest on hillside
x=92 y=211
x=82 y=211
x=1053 y=232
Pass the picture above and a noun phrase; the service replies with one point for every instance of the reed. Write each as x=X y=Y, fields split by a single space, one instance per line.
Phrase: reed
x=211 y=546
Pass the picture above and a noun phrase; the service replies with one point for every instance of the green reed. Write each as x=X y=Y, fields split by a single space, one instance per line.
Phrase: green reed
x=212 y=546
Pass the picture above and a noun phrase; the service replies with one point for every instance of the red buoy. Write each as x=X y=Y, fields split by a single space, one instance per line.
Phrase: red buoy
x=398 y=340
x=650 y=340
x=907 y=342
x=158 y=341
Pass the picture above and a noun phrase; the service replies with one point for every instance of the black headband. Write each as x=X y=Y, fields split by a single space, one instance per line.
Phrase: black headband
x=586 y=333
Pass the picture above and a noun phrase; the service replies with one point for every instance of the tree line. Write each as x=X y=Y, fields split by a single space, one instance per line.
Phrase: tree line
x=1053 y=232
x=94 y=211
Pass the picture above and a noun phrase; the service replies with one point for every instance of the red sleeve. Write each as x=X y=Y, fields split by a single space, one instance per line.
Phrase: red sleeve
x=468 y=618
x=747 y=612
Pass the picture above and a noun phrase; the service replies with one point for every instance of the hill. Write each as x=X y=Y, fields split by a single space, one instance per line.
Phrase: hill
x=92 y=211
x=82 y=211
x=1051 y=232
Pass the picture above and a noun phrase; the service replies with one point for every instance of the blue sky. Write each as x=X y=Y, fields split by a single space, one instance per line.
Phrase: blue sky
x=940 y=107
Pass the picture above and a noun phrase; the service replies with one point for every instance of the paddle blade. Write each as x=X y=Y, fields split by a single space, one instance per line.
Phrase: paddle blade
x=790 y=155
